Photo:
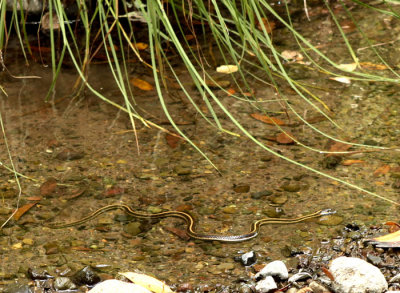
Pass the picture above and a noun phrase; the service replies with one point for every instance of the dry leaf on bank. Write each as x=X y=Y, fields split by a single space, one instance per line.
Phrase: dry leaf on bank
x=388 y=240
x=147 y=282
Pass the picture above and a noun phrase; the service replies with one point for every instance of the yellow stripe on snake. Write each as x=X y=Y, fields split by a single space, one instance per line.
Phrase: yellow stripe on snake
x=255 y=226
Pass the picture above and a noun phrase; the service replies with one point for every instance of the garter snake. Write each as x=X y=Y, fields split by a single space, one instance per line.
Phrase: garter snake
x=255 y=226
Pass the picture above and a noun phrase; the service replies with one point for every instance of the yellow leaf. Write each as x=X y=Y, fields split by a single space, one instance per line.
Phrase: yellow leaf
x=369 y=65
x=147 y=282
x=142 y=84
x=348 y=67
x=227 y=69
x=141 y=46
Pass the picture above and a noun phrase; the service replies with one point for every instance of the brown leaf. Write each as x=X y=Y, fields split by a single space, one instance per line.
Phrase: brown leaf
x=381 y=170
x=352 y=162
x=328 y=273
x=48 y=187
x=393 y=226
x=34 y=198
x=267 y=24
x=369 y=65
x=114 y=191
x=338 y=147
x=75 y=194
x=231 y=91
x=283 y=138
x=268 y=120
x=141 y=46
x=141 y=84
x=178 y=232
x=22 y=210
x=172 y=140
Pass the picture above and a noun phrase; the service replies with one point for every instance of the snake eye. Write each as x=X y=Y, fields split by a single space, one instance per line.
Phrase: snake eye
x=327 y=212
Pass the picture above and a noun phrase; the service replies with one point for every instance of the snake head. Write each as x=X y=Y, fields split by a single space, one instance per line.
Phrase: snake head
x=327 y=212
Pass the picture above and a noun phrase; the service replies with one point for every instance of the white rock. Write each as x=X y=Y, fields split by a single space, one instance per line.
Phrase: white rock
x=354 y=275
x=275 y=269
x=266 y=285
x=112 y=286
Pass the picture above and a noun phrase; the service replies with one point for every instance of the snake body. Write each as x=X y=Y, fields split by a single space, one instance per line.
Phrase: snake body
x=255 y=226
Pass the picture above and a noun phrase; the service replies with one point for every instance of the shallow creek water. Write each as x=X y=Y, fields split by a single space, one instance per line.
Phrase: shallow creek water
x=89 y=148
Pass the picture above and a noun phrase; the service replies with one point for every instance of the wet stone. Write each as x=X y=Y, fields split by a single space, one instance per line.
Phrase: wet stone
x=291 y=187
x=354 y=235
x=278 y=199
x=225 y=266
x=5 y=211
x=86 y=276
x=63 y=283
x=330 y=220
x=331 y=162
x=241 y=188
x=260 y=194
x=247 y=259
x=133 y=228
x=38 y=274
x=51 y=247
x=273 y=212
x=374 y=259
x=19 y=288
x=69 y=155
x=183 y=170
x=232 y=209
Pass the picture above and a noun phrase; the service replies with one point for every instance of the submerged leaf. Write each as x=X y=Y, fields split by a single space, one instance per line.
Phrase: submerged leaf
x=141 y=84
x=284 y=138
x=339 y=147
x=268 y=120
x=22 y=210
x=352 y=162
x=268 y=25
x=172 y=141
x=382 y=170
x=48 y=187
